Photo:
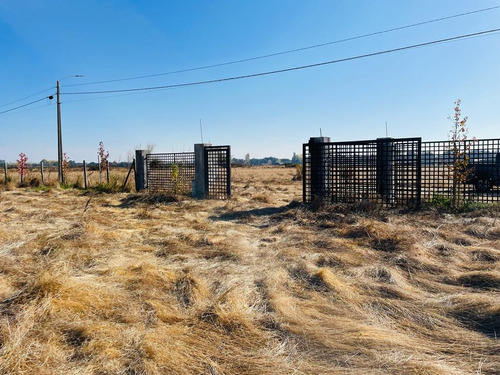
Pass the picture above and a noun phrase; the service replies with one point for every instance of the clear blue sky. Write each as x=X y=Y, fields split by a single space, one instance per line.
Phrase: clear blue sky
x=414 y=90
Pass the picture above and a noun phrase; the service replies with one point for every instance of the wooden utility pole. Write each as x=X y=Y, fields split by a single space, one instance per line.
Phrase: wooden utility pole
x=60 y=153
x=59 y=137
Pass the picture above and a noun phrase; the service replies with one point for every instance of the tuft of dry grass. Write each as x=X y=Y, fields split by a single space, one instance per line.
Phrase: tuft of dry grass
x=259 y=284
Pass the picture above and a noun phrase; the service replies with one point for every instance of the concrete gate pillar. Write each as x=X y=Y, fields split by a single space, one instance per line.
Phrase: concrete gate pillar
x=199 y=182
x=140 y=170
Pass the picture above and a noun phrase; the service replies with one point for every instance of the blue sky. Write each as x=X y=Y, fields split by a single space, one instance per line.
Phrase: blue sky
x=414 y=90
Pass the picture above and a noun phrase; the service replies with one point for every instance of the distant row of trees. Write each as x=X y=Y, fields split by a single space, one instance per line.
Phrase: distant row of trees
x=269 y=160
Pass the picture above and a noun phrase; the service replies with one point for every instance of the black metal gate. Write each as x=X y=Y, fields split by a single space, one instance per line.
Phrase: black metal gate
x=387 y=171
x=170 y=172
x=218 y=172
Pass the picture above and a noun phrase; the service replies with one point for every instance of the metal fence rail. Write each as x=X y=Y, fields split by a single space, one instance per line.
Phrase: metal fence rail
x=467 y=170
x=170 y=172
x=218 y=172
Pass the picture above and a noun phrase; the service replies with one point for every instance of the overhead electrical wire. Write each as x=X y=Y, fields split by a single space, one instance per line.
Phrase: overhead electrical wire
x=26 y=97
x=455 y=38
x=268 y=55
x=142 y=89
x=24 y=105
x=292 y=50
x=24 y=110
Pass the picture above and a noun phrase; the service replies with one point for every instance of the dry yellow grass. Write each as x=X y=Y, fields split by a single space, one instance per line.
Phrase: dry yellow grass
x=258 y=284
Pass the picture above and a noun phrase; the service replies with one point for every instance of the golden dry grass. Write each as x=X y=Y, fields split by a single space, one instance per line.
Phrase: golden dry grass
x=259 y=284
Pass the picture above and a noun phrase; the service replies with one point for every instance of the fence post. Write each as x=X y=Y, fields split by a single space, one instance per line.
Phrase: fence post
x=132 y=166
x=199 y=183
x=107 y=172
x=385 y=170
x=5 y=172
x=140 y=169
x=85 y=175
x=320 y=173
x=41 y=173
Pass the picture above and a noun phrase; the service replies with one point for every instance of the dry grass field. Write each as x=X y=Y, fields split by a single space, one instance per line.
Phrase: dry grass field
x=260 y=284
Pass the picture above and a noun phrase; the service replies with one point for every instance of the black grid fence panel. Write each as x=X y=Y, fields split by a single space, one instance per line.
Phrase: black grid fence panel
x=351 y=173
x=467 y=170
x=218 y=172
x=383 y=171
x=170 y=172
x=407 y=167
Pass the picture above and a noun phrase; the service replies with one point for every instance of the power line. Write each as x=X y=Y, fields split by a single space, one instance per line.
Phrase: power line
x=292 y=50
x=25 y=110
x=24 y=105
x=455 y=38
x=101 y=97
x=26 y=97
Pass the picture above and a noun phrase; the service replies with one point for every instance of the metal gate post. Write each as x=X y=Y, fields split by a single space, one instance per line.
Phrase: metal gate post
x=228 y=169
x=140 y=170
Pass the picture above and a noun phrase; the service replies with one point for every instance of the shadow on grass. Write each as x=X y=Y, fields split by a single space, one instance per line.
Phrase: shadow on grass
x=485 y=322
x=133 y=200
x=256 y=212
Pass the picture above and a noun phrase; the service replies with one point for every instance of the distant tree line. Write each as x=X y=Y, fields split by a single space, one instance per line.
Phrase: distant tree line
x=268 y=160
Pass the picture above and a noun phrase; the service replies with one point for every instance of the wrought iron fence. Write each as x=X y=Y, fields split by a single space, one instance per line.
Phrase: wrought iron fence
x=170 y=172
x=466 y=170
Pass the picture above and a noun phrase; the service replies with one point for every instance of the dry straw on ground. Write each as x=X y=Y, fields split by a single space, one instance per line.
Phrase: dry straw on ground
x=126 y=284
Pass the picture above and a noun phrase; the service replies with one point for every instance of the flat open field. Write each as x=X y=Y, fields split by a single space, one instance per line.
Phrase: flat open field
x=259 y=284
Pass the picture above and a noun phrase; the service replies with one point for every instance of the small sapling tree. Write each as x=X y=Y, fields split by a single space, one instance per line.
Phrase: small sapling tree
x=175 y=177
x=22 y=166
x=459 y=150
x=103 y=157
x=65 y=166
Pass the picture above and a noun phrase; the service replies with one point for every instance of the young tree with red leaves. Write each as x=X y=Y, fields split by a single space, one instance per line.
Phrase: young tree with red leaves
x=22 y=165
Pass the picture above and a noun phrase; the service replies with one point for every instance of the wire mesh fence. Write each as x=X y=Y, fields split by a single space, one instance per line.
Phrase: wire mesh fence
x=170 y=172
